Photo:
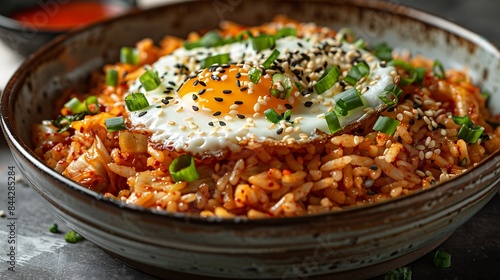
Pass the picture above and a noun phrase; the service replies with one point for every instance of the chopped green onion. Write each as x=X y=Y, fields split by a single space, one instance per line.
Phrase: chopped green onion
x=298 y=86
x=92 y=105
x=241 y=36
x=282 y=86
x=54 y=228
x=210 y=39
x=386 y=125
x=73 y=237
x=285 y=32
x=75 y=106
x=357 y=72
x=272 y=115
x=263 y=42
x=383 y=51
x=333 y=121
x=420 y=72
x=485 y=95
x=216 y=59
x=136 y=101
x=254 y=75
x=150 y=80
x=192 y=45
x=412 y=75
x=390 y=95
x=115 y=124
x=271 y=59
x=183 y=169
x=403 y=273
x=347 y=101
x=464 y=120
x=346 y=32
x=286 y=115
x=112 y=77
x=64 y=122
x=360 y=43
x=129 y=55
x=442 y=259
x=328 y=79
x=438 y=69
x=470 y=133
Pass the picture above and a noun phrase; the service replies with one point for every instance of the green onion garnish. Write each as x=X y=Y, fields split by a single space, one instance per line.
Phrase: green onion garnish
x=464 y=120
x=470 y=133
x=285 y=32
x=412 y=75
x=183 y=169
x=136 y=101
x=64 y=122
x=346 y=32
x=254 y=75
x=386 y=125
x=286 y=115
x=328 y=79
x=192 y=45
x=272 y=115
x=332 y=119
x=282 y=86
x=54 y=228
x=360 y=43
x=210 y=39
x=442 y=259
x=92 y=105
x=112 y=77
x=420 y=72
x=391 y=94
x=403 y=273
x=75 y=106
x=219 y=59
x=115 y=124
x=357 y=72
x=73 y=237
x=271 y=59
x=129 y=55
x=150 y=80
x=383 y=51
x=241 y=36
x=438 y=69
x=347 y=101
x=263 y=42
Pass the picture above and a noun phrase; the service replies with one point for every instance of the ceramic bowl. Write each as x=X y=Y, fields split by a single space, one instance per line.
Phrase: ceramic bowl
x=355 y=243
x=25 y=39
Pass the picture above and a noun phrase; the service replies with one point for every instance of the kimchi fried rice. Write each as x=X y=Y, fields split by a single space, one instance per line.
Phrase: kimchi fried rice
x=127 y=136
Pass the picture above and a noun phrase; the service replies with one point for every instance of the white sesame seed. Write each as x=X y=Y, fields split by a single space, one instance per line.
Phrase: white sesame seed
x=206 y=109
x=428 y=155
x=289 y=129
x=437 y=151
x=428 y=173
x=228 y=118
x=409 y=114
x=171 y=122
x=421 y=155
x=223 y=78
x=420 y=173
x=399 y=117
x=182 y=127
x=420 y=147
x=443 y=132
x=233 y=112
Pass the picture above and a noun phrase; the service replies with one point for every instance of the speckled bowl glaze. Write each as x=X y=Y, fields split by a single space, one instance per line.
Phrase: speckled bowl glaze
x=355 y=243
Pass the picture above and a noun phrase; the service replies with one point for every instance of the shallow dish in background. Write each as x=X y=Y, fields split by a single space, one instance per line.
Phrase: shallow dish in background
x=25 y=38
x=359 y=242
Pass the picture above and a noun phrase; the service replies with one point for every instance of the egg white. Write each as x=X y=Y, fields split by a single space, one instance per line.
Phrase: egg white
x=178 y=127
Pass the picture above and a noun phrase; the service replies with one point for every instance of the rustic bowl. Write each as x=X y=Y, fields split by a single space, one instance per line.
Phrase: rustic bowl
x=355 y=243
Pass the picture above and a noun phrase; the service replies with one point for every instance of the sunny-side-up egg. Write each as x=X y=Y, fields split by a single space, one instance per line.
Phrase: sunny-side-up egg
x=207 y=112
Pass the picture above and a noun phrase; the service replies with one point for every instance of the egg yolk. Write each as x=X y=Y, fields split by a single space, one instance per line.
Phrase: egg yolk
x=228 y=90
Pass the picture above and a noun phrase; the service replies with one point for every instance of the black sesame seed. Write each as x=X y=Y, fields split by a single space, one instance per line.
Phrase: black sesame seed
x=215 y=78
x=222 y=71
x=238 y=75
x=240 y=116
x=412 y=121
x=308 y=103
x=222 y=123
x=201 y=91
x=243 y=88
x=195 y=83
x=440 y=125
x=374 y=167
x=391 y=109
x=218 y=113
x=167 y=91
x=317 y=70
x=165 y=101
x=383 y=63
x=288 y=106
x=142 y=113
x=237 y=102
x=238 y=84
x=172 y=83
x=194 y=96
x=227 y=91
x=308 y=79
x=279 y=131
x=300 y=44
x=218 y=99
x=195 y=108
x=203 y=83
x=210 y=123
x=304 y=93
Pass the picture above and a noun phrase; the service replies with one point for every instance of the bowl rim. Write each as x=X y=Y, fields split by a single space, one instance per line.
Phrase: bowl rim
x=23 y=149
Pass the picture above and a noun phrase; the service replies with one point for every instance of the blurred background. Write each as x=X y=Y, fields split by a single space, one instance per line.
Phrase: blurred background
x=41 y=255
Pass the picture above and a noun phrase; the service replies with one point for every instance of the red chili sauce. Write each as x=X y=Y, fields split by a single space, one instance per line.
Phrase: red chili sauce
x=64 y=16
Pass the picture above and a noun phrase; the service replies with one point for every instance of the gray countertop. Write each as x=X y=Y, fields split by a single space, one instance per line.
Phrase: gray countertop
x=475 y=247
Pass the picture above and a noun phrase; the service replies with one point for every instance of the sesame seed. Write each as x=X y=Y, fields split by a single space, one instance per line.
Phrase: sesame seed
x=243 y=88
x=409 y=114
x=165 y=101
x=194 y=96
x=223 y=78
x=256 y=107
x=421 y=155
x=288 y=106
x=210 y=123
x=428 y=155
x=308 y=104
x=222 y=123
x=218 y=113
x=171 y=122
x=238 y=84
x=240 y=116
x=279 y=131
x=142 y=113
x=437 y=151
x=420 y=173
x=238 y=75
x=195 y=108
x=399 y=116
x=203 y=83
x=218 y=99
x=227 y=91
x=215 y=78
x=237 y=102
